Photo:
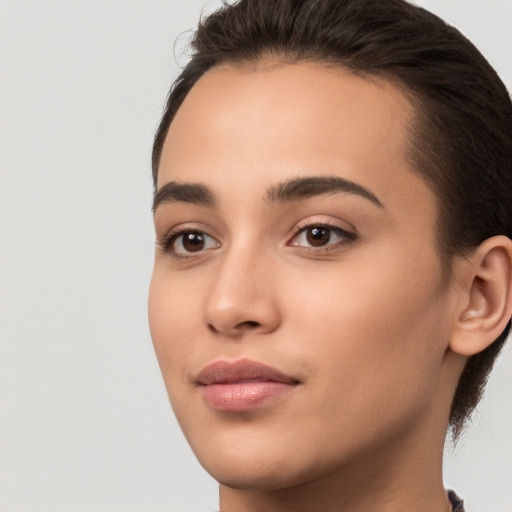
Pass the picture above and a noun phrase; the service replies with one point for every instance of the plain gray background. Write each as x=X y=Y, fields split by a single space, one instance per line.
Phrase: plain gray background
x=84 y=420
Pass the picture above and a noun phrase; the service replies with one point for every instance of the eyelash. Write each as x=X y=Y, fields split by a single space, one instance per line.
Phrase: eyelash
x=348 y=238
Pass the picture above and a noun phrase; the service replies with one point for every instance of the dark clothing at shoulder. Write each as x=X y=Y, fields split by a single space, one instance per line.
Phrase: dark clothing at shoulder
x=457 y=503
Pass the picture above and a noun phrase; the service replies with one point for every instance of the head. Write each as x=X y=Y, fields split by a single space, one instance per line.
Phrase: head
x=418 y=107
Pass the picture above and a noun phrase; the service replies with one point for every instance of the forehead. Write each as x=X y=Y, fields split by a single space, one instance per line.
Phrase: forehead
x=244 y=128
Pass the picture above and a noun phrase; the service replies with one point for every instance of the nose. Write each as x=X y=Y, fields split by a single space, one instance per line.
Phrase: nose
x=242 y=299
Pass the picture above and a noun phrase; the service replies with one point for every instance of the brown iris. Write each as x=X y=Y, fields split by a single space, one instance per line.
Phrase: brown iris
x=193 y=241
x=318 y=236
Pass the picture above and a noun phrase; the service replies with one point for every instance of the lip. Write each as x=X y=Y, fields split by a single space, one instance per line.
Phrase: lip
x=242 y=385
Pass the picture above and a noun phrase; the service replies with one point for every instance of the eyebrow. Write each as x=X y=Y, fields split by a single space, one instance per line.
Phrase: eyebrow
x=288 y=191
x=302 y=188
x=174 y=192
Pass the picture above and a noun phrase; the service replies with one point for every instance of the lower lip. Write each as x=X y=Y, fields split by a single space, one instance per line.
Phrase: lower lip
x=243 y=396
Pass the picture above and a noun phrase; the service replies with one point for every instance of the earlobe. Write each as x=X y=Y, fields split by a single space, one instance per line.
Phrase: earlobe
x=486 y=305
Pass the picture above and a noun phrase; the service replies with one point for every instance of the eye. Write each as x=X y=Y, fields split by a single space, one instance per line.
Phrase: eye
x=184 y=243
x=321 y=236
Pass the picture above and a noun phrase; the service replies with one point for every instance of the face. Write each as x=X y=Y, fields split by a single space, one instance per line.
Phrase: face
x=296 y=307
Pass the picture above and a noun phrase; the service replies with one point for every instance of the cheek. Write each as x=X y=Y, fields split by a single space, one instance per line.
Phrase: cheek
x=373 y=332
x=366 y=299
x=173 y=318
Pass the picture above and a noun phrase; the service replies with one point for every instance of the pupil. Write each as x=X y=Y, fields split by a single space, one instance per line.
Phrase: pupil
x=193 y=242
x=318 y=236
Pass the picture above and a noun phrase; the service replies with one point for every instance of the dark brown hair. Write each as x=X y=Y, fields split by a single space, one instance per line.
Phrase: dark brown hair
x=461 y=142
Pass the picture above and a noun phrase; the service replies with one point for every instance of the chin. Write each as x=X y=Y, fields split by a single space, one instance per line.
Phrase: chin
x=262 y=463
x=258 y=475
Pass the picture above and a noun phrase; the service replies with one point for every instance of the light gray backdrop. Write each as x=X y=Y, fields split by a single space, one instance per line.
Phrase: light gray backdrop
x=84 y=419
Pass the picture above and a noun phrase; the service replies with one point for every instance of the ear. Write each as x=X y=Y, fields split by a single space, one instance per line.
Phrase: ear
x=486 y=299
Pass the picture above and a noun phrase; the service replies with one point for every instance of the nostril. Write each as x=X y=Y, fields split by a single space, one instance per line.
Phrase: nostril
x=212 y=328
x=241 y=326
x=249 y=323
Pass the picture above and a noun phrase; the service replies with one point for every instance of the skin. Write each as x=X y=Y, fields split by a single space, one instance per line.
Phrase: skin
x=364 y=323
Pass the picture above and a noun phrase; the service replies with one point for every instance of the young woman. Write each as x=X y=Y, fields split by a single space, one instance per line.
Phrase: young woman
x=332 y=279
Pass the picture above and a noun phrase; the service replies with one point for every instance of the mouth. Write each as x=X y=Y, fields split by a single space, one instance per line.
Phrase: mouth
x=242 y=385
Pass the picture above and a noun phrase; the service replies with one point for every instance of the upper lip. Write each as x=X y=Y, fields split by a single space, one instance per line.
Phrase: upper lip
x=228 y=372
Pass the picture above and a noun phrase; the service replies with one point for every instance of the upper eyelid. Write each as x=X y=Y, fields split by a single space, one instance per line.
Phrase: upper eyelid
x=349 y=235
x=172 y=236
x=345 y=226
x=324 y=225
x=187 y=227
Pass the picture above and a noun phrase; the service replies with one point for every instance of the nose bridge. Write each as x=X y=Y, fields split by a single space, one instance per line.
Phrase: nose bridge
x=241 y=295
